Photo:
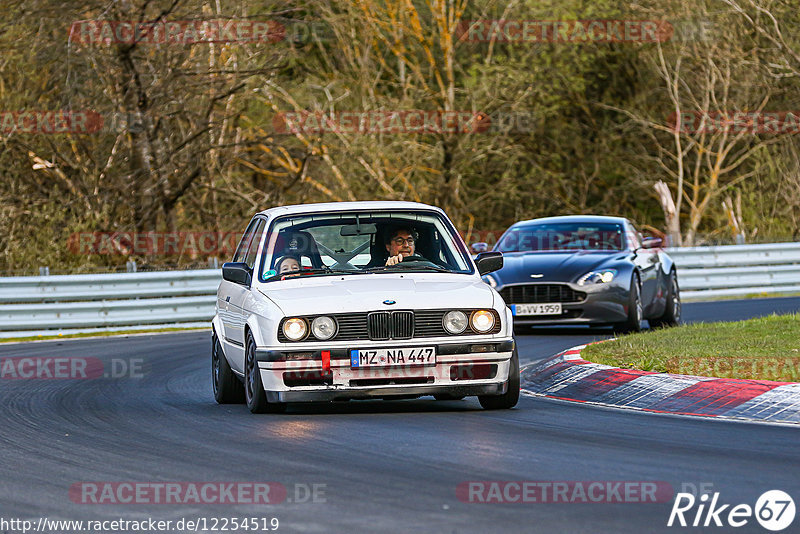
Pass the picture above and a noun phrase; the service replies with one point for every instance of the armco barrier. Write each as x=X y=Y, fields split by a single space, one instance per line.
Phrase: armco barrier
x=737 y=270
x=41 y=305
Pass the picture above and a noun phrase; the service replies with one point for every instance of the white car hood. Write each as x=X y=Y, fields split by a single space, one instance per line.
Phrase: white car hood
x=359 y=293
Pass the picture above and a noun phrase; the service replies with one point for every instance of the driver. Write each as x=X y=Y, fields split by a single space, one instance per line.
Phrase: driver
x=400 y=244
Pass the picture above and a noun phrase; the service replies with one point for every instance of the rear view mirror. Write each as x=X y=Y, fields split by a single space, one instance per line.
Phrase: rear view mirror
x=652 y=242
x=489 y=262
x=359 y=229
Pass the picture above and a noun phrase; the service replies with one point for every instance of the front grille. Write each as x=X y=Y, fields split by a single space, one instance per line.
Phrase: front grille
x=540 y=293
x=384 y=325
x=379 y=326
x=402 y=325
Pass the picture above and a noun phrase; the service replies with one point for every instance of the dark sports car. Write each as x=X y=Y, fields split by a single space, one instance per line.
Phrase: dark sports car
x=586 y=270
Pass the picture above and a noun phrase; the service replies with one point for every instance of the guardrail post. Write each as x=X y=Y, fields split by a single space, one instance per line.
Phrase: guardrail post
x=131 y=265
x=44 y=271
x=213 y=263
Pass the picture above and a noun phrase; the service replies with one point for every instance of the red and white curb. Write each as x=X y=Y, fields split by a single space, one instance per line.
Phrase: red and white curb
x=567 y=376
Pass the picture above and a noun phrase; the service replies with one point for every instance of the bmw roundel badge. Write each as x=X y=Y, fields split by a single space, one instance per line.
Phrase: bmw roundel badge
x=389 y=302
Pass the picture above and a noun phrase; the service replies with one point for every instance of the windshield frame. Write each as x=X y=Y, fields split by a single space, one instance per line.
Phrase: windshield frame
x=402 y=214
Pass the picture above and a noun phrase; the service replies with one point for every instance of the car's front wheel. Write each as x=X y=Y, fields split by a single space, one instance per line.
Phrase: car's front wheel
x=227 y=388
x=635 y=309
x=510 y=398
x=254 y=393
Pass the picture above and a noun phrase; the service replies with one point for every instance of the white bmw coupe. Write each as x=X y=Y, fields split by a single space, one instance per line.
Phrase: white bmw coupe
x=359 y=300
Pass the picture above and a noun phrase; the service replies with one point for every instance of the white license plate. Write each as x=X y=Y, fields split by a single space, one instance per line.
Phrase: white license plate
x=538 y=309
x=390 y=357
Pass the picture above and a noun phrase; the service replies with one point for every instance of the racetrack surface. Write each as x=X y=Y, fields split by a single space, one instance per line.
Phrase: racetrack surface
x=386 y=466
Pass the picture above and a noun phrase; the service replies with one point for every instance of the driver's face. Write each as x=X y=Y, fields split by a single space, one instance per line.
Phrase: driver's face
x=401 y=243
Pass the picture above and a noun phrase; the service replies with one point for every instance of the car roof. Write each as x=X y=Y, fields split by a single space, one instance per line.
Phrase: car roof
x=327 y=207
x=575 y=219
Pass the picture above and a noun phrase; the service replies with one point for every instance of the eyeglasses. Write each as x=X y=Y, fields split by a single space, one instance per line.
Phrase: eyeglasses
x=399 y=241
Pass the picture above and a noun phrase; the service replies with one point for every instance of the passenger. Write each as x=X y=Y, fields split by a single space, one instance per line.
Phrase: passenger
x=287 y=264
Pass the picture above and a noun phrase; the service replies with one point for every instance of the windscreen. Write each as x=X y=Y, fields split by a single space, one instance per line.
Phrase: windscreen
x=361 y=242
x=563 y=237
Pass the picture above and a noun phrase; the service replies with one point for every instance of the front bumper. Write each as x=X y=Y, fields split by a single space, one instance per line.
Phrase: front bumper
x=602 y=305
x=461 y=369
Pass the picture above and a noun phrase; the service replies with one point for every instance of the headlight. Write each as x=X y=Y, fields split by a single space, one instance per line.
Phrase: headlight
x=455 y=321
x=323 y=328
x=482 y=321
x=490 y=280
x=295 y=329
x=597 y=277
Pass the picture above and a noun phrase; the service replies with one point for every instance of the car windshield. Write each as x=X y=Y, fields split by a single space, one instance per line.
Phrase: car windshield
x=563 y=237
x=341 y=243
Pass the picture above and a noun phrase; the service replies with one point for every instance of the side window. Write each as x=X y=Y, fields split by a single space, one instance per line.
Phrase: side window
x=634 y=237
x=244 y=243
x=250 y=257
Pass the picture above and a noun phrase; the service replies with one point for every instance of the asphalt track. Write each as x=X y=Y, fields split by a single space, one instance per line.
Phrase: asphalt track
x=385 y=466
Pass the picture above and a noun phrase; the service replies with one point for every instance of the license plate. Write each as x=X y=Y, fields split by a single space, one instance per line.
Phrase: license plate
x=537 y=309
x=390 y=357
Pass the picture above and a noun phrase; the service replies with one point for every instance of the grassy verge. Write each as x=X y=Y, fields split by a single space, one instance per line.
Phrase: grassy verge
x=766 y=348
x=97 y=334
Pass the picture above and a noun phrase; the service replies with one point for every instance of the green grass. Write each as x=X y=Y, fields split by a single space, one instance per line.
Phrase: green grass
x=97 y=334
x=766 y=348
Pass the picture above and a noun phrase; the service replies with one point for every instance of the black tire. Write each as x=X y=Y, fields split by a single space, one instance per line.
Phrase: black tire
x=448 y=397
x=672 y=312
x=227 y=387
x=635 y=311
x=510 y=398
x=254 y=393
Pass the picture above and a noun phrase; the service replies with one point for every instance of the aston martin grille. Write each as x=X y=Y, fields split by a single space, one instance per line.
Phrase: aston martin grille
x=540 y=293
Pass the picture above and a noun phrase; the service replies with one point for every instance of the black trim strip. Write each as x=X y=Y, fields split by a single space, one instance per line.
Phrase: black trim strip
x=232 y=342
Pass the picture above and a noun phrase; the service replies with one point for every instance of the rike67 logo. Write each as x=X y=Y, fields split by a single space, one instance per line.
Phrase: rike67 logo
x=774 y=510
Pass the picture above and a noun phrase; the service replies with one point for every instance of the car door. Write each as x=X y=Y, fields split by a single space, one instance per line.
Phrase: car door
x=231 y=296
x=647 y=262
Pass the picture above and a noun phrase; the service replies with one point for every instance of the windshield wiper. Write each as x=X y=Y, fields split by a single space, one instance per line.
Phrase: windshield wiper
x=409 y=267
x=322 y=270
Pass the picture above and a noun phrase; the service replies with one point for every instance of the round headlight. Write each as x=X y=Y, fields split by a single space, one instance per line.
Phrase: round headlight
x=482 y=321
x=455 y=321
x=295 y=329
x=323 y=328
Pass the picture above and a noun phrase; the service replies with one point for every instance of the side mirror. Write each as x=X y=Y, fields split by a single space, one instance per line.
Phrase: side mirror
x=237 y=272
x=489 y=262
x=653 y=242
x=477 y=248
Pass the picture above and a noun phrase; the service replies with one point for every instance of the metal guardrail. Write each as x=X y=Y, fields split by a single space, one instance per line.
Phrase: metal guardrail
x=47 y=305
x=66 y=304
x=737 y=270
